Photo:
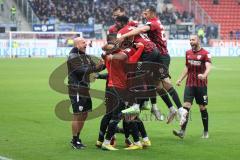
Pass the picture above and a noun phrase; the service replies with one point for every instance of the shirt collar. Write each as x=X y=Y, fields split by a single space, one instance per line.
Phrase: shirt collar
x=76 y=50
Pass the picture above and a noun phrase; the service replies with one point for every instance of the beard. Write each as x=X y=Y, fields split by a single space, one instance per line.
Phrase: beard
x=194 y=47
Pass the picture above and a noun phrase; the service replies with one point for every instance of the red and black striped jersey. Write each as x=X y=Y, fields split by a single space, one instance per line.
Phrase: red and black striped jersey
x=157 y=35
x=195 y=62
x=148 y=44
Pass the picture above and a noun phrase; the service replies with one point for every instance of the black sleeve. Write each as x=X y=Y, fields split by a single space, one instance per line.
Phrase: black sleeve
x=78 y=67
x=97 y=68
x=102 y=76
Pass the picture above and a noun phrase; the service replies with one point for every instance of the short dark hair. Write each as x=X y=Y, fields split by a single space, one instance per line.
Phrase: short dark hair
x=122 y=19
x=118 y=8
x=151 y=9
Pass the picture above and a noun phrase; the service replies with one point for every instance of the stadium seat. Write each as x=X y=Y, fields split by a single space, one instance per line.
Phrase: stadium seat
x=226 y=13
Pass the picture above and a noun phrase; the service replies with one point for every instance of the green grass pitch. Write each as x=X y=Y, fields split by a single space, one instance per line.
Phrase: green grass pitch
x=29 y=128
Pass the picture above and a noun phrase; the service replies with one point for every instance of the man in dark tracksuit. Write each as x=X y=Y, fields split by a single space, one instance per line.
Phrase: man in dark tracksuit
x=80 y=66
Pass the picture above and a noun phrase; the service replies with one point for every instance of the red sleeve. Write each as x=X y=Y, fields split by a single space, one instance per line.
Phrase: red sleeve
x=112 y=29
x=133 y=23
x=208 y=57
x=129 y=51
x=135 y=57
x=153 y=25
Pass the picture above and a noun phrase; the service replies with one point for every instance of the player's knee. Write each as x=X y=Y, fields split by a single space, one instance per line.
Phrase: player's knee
x=167 y=83
x=202 y=107
x=76 y=117
x=80 y=116
x=159 y=88
x=187 y=105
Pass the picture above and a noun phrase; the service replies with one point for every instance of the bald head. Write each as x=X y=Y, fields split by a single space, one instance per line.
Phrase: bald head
x=80 y=43
x=195 y=37
x=195 y=42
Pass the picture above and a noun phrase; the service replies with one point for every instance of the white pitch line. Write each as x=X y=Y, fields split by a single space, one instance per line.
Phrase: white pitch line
x=4 y=158
x=223 y=69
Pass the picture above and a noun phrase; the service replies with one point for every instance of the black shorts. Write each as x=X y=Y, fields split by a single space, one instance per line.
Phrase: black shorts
x=150 y=57
x=81 y=102
x=165 y=60
x=115 y=102
x=199 y=93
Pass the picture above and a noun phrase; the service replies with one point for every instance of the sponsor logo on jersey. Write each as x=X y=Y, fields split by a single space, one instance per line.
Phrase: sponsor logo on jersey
x=195 y=63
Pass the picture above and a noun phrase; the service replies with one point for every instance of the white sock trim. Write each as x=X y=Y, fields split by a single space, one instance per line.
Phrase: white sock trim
x=138 y=143
x=106 y=142
x=145 y=139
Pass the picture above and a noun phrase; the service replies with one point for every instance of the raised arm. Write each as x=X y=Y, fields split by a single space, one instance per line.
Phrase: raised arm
x=81 y=68
x=133 y=32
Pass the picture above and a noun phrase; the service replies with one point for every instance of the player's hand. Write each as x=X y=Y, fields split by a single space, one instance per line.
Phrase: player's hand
x=101 y=62
x=120 y=40
x=138 y=44
x=96 y=76
x=178 y=83
x=202 y=76
x=92 y=77
x=103 y=55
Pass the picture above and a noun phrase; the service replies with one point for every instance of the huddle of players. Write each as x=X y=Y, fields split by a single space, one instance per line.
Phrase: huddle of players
x=150 y=47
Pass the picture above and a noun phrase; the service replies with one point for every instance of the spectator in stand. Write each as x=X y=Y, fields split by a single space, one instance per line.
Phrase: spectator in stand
x=13 y=13
x=99 y=11
x=215 y=2
x=238 y=34
x=231 y=35
x=201 y=34
x=167 y=1
x=2 y=5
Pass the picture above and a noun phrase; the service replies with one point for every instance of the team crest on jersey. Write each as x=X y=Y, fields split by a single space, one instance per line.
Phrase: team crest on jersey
x=199 y=57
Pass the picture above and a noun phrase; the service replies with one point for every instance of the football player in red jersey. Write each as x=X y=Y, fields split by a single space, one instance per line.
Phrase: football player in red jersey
x=119 y=11
x=115 y=61
x=150 y=54
x=197 y=68
x=155 y=31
